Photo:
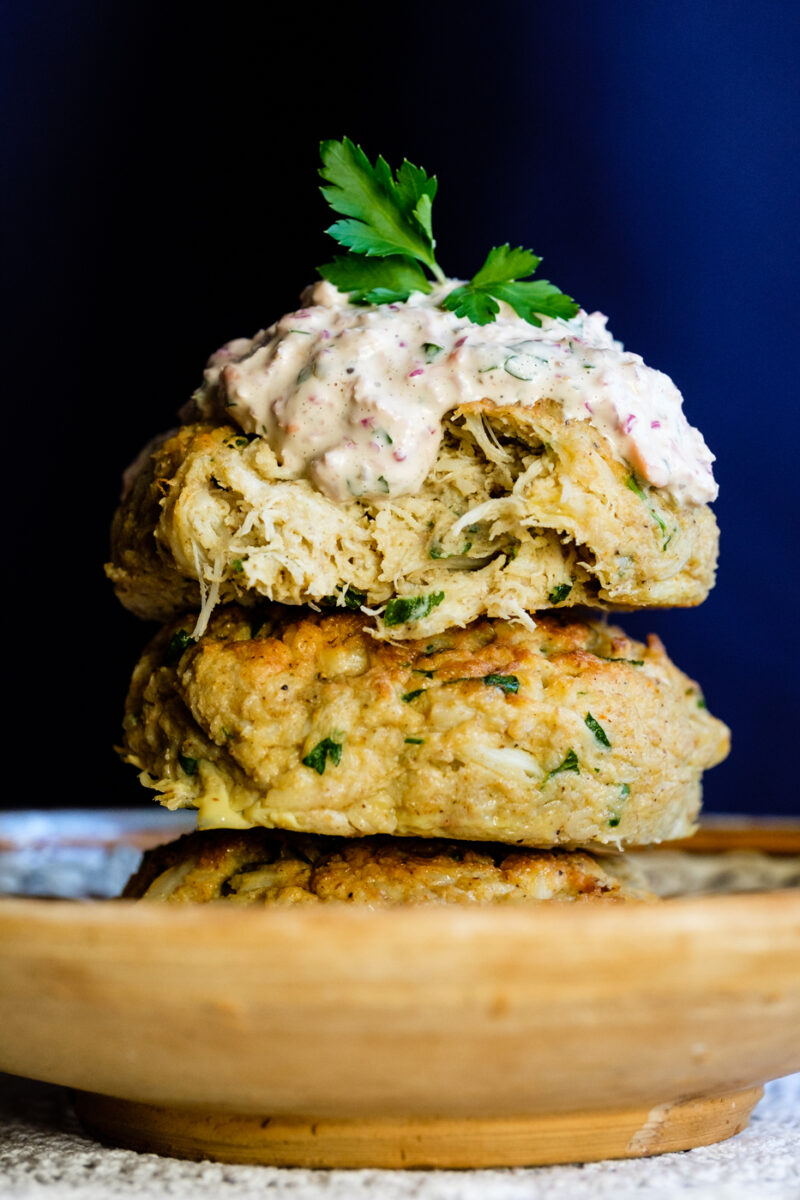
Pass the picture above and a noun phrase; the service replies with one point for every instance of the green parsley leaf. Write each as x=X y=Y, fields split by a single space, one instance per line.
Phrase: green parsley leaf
x=506 y=683
x=632 y=662
x=324 y=750
x=466 y=301
x=503 y=263
x=188 y=765
x=625 y=791
x=375 y=280
x=353 y=598
x=570 y=763
x=500 y=279
x=597 y=729
x=535 y=296
x=179 y=642
x=389 y=215
x=634 y=485
x=404 y=609
x=559 y=593
x=407 y=697
x=415 y=741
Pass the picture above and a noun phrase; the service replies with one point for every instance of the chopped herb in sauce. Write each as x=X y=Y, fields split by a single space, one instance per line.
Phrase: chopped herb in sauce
x=516 y=365
x=238 y=566
x=407 y=697
x=324 y=750
x=597 y=729
x=404 y=609
x=188 y=765
x=415 y=741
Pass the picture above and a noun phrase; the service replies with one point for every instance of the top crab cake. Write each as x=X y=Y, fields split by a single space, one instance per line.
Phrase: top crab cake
x=403 y=459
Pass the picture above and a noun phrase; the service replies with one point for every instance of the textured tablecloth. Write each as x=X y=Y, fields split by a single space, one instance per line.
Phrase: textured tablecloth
x=43 y=1153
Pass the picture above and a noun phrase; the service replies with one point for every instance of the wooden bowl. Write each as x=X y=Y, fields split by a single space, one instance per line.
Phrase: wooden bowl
x=411 y=1037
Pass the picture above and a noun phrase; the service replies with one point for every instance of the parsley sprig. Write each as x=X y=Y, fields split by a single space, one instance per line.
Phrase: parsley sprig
x=502 y=277
x=390 y=244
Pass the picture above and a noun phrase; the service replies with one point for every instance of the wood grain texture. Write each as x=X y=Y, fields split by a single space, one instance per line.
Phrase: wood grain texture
x=428 y=1142
x=589 y=1017
x=416 y=1012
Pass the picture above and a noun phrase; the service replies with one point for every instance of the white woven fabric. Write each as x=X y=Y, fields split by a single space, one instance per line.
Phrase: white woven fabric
x=44 y=1154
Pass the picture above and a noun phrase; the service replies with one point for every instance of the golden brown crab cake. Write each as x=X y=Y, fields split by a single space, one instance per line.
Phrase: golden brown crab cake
x=569 y=733
x=259 y=866
x=522 y=510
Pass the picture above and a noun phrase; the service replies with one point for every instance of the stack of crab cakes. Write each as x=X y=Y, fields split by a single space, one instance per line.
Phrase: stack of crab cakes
x=383 y=694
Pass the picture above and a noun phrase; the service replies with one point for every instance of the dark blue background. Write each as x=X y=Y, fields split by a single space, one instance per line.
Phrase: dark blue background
x=160 y=197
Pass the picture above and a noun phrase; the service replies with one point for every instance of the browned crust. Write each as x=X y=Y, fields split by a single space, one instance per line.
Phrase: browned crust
x=467 y=734
x=273 y=867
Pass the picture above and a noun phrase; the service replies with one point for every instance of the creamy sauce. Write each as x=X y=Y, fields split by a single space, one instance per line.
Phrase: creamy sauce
x=353 y=397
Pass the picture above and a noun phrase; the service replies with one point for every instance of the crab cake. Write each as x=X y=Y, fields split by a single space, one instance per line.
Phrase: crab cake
x=259 y=867
x=567 y=734
x=521 y=510
x=428 y=469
